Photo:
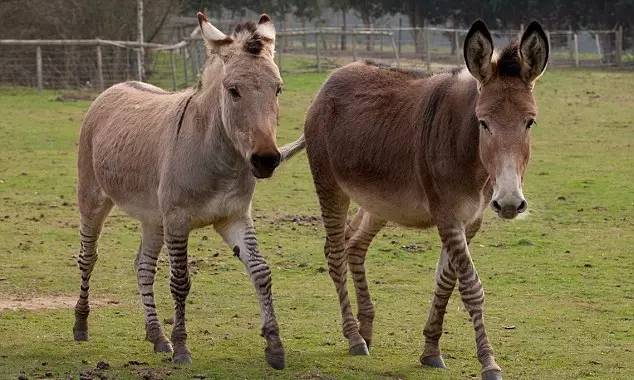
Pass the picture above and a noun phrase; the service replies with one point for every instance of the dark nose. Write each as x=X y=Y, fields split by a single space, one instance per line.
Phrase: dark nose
x=509 y=210
x=264 y=164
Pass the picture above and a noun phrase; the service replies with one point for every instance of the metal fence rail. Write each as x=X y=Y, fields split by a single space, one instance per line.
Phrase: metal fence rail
x=98 y=64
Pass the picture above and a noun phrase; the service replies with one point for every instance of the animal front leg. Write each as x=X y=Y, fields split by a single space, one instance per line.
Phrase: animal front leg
x=472 y=294
x=445 y=283
x=240 y=236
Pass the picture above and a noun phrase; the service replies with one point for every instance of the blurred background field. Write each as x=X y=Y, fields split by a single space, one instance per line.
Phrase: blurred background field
x=559 y=282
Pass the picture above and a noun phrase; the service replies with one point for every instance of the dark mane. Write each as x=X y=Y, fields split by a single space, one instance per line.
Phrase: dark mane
x=412 y=73
x=248 y=26
x=508 y=63
x=254 y=44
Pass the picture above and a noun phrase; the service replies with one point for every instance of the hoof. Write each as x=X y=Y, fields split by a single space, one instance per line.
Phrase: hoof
x=182 y=359
x=80 y=335
x=434 y=361
x=492 y=374
x=359 y=349
x=163 y=346
x=275 y=357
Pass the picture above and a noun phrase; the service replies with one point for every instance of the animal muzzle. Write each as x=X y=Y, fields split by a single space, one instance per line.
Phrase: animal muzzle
x=263 y=164
x=509 y=207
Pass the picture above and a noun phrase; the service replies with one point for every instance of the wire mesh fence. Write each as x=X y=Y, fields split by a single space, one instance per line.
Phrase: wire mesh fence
x=98 y=64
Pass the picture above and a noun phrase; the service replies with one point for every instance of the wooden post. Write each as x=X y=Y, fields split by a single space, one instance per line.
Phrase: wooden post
x=576 y=41
x=619 y=46
x=396 y=52
x=279 y=54
x=184 y=54
x=428 y=50
x=570 y=43
x=139 y=52
x=597 y=39
x=173 y=67
x=354 y=47
x=100 y=68
x=38 y=65
x=317 y=42
x=192 y=59
x=456 y=41
x=400 y=30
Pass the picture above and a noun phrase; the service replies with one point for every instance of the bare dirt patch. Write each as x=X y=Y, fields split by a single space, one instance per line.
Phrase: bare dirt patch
x=48 y=302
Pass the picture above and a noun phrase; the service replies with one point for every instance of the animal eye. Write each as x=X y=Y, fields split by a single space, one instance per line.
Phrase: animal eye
x=234 y=93
x=484 y=126
x=531 y=123
x=279 y=91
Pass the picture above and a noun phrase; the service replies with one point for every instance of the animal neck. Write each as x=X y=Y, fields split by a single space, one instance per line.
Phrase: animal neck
x=218 y=150
x=461 y=137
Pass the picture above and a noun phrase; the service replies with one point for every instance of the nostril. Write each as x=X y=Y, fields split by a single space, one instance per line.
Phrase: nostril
x=522 y=207
x=269 y=161
x=496 y=206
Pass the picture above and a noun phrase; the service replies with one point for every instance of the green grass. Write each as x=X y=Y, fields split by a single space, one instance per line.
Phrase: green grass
x=563 y=276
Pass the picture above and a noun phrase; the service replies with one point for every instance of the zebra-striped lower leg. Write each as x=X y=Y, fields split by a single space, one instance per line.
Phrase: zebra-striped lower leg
x=240 y=236
x=90 y=228
x=356 y=250
x=180 y=284
x=472 y=294
x=334 y=217
x=445 y=283
x=145 y=264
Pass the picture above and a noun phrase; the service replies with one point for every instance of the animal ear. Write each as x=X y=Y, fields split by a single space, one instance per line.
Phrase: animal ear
x=534 y=52
x=213 y=37
x=478 y=50
x=265 y=28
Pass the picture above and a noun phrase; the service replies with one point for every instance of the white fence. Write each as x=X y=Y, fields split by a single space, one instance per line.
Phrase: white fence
x=97 y=64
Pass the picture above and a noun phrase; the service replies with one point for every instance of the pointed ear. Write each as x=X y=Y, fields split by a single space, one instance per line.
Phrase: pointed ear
x=478 y=50
x=265 y=28
x=534 y=52
x=213 y=37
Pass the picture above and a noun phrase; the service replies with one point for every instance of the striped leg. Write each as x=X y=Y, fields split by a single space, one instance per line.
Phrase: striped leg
x=445 y=282
x=356 y=249
x=240 y=236
x=93 y=214
x=151 y=244
x=472 y=294
x=333 y=211
x=176 y=241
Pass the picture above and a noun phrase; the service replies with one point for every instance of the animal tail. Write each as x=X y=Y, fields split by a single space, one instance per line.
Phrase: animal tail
x=291 y=149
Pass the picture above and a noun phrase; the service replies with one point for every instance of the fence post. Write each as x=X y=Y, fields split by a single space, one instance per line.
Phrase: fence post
x=173 y=67
x=38 y=65
x=184 y=54
x=279 y=54
x=396 y=52
x=597 y=39
x=576 y=41
x=99 y=68
x=456 y=41
x=317 y=42
x=619 y=46
x=570 y=44
x=428 y=52
x=400 y=29
x=354 y=46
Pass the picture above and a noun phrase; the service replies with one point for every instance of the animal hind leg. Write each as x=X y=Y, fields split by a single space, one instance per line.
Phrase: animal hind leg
x=334 y=207
x=145 y=265
x=94 y=207
x=356 y=250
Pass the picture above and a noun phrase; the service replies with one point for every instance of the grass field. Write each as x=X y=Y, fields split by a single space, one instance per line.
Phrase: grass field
x=559 y=283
